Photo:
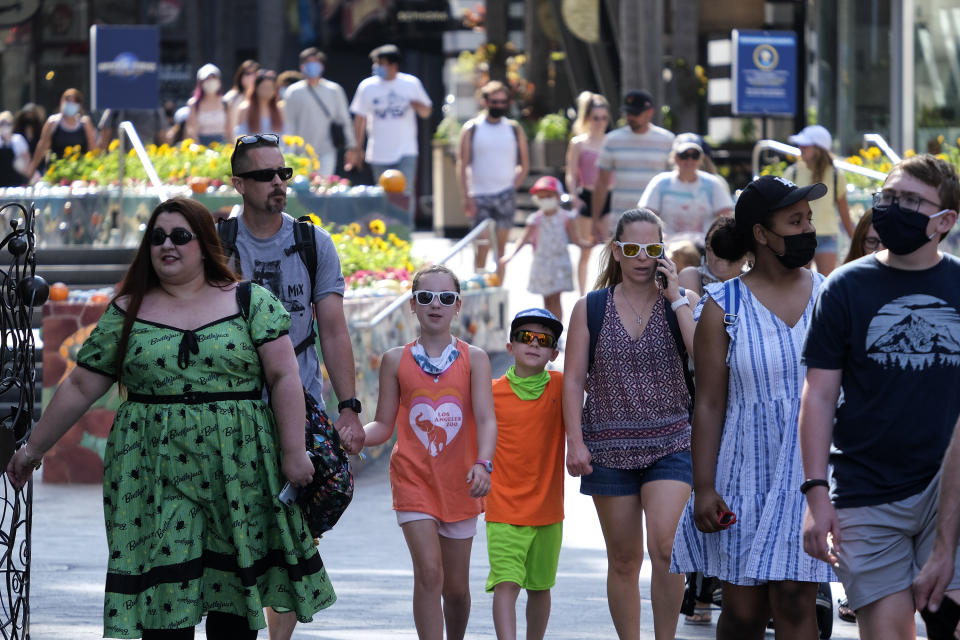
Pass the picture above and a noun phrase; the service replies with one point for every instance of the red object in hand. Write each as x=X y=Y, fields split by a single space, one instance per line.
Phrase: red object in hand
x=726 y=518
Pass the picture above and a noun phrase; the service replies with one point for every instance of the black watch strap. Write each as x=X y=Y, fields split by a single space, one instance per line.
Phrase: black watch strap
x=350 y=403
x=815 y=482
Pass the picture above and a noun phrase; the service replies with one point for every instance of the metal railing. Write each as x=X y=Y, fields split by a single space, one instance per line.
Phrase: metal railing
x=486 y=225
x=127 y=131
x=881 y=143
x=774 y=145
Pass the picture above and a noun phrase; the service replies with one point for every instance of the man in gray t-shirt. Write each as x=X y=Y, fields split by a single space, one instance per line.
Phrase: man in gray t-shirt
x=265 y=246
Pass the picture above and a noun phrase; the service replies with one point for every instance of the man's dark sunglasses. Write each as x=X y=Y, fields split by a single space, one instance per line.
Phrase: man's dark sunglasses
x=266 y=175
x=179 y=236
x=269 y=138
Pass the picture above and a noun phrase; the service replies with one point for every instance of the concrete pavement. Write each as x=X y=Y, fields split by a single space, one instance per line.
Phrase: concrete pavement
x=365 y=554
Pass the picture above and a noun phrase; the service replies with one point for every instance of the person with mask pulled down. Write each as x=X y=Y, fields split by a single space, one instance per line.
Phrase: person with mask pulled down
x=312 y=105
x=885 y=332
x=743 y=522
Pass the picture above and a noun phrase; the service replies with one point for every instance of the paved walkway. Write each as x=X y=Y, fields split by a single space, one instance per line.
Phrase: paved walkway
x=365 y=555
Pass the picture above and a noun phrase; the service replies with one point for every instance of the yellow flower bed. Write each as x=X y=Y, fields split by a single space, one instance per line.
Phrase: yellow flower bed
x=173 y=163
x=372 y=258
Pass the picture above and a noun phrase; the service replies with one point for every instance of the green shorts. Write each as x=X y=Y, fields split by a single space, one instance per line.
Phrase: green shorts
x=527 y=556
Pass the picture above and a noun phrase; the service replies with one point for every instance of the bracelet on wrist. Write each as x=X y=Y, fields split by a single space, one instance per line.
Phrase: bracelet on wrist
x=810 y=483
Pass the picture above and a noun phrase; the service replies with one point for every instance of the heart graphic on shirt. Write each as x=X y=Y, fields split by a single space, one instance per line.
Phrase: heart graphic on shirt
x=436 y=422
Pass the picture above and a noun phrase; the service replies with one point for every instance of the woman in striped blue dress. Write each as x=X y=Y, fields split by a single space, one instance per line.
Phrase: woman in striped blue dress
x=746 y=457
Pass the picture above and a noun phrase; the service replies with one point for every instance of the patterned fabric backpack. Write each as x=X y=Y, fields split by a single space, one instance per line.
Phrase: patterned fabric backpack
x=327 y=496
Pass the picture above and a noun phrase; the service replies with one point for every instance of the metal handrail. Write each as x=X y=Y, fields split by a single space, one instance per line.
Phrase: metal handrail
x=457 y=248
x=126 y=127
x=881 y=143
x=780 y=147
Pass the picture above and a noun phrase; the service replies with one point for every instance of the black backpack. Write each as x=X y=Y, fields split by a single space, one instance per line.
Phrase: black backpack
x=597 y=303
x=304 y=243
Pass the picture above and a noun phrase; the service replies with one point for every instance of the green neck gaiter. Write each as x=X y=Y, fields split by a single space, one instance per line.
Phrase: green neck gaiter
x=527 y=388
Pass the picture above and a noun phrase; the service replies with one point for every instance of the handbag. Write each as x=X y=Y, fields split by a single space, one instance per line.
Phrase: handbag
x=327 y=496
x=337 y=135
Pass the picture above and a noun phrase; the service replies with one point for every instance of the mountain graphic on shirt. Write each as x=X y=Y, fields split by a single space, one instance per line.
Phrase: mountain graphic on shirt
x=913 y=333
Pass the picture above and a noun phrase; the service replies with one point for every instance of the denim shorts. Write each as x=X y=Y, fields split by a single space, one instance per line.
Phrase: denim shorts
x=605 y=481
x=826 y=244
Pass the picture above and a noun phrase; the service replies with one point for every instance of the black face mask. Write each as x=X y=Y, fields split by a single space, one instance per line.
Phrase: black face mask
x=496 y=112
x=900 y=231
x=798 y=249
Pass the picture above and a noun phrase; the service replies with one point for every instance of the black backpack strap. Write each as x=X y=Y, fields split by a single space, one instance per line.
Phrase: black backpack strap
x=674 y=325
x=596 y=304
x=243 y=298
x=305 y=244
x=227 y=230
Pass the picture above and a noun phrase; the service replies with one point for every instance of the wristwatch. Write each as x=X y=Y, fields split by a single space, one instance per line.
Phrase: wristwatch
x=811 y=483
x=679 y=302
x=350 y=403
x=486 y=464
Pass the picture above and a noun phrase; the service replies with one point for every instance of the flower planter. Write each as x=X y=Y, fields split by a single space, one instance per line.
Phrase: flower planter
x=548 y=156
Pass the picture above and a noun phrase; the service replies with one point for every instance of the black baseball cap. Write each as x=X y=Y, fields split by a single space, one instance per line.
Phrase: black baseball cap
x=637 y=101
x=540 y=316
x=769 y=193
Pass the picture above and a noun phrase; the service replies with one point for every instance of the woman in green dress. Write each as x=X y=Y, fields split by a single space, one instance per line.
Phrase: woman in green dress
x=195 y=458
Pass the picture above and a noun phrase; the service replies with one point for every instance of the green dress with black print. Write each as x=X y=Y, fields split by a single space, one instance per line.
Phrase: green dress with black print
x=191 y=475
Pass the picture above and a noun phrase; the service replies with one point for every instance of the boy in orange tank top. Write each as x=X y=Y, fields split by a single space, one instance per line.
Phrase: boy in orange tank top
x=436 y=392
x=525 y=505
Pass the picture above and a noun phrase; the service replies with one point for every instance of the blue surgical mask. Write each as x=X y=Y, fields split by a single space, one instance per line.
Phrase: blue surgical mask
x=313 y=69
x=70 y=108
x=380 y=71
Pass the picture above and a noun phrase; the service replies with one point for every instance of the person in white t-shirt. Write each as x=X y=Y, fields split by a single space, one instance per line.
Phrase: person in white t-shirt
x=686 y=199
x=385 y=107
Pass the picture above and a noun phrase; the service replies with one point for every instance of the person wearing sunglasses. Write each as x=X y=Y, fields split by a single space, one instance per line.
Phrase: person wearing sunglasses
x=746 y=459
x=260 y=112
x=885 y=333
x=524 y=509
x=492 y=161
x=192 y=433
x=264 y=250
x=687 y=199
x=589 y=130
x=435 y=392
x=630 y=440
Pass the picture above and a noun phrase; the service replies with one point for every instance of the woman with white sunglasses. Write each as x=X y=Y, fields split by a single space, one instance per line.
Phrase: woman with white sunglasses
x=630 y=441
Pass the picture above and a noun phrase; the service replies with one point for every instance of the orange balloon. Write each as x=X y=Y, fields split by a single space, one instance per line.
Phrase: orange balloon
x=59 y=292
x=99 y=298
x=393 y=181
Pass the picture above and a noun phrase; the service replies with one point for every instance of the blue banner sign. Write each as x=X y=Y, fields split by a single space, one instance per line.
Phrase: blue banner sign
x=764 y=73
x=123 y=67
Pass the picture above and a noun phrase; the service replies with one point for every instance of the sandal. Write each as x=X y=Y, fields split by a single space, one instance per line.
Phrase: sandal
x=701 y=615
x=844 y=612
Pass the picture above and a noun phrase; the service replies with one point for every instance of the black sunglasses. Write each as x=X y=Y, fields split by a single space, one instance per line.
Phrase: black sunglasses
x=266 y=175
x=179 y=236
x=689 y=155
x=269 y=138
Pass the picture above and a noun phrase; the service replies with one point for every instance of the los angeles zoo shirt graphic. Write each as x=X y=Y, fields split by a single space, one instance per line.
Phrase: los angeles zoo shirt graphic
x=436 y=422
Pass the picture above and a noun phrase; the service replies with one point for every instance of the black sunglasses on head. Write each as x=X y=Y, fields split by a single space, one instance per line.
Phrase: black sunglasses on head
x=269 y=138
x=178 y=236
x=266 y=175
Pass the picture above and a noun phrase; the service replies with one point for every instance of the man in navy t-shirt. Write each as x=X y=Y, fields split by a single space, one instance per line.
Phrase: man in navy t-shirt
x=885 y=331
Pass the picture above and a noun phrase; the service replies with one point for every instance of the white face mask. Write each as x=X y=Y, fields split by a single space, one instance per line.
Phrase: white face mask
x=211 y=85
x=547 y=203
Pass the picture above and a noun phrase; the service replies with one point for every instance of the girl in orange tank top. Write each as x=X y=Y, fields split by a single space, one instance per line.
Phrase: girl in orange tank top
x=437 y=392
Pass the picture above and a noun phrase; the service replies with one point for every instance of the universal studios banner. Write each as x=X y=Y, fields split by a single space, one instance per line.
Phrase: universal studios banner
x=124 y=61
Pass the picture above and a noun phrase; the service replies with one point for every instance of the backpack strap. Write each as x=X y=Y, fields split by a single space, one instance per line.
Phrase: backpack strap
x=227 y=230
x=596 y=304
x=305 y=244
x=674 y=325
x=243 y=299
